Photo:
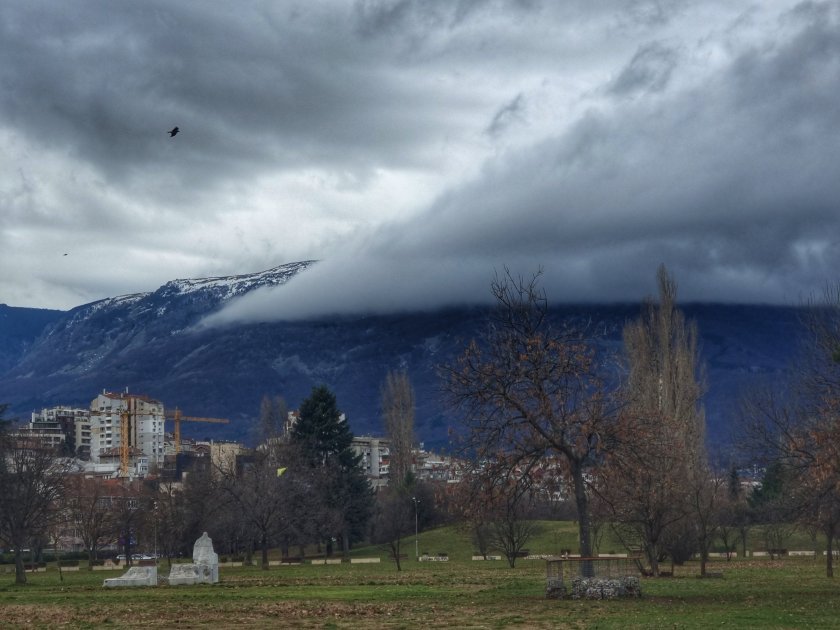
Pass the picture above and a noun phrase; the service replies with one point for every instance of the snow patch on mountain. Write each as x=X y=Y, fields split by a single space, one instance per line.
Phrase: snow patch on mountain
x=226 y=287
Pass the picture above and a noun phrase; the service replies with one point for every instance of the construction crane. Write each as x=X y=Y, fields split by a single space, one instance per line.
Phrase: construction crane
x=178 y=418
x=126 y=416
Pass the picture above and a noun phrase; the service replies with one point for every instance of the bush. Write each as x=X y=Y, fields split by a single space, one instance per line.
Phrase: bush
x=68 y=563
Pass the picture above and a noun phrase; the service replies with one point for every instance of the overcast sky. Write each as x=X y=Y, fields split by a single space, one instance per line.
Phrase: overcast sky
x=416 y=146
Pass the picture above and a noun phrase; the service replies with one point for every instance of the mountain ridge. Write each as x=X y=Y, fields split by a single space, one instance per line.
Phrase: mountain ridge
x=149 y=342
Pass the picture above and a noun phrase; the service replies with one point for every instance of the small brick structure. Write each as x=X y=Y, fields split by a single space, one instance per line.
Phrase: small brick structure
x=592 y=578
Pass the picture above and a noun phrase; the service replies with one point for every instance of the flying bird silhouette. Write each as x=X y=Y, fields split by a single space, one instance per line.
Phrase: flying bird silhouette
x=174 y=132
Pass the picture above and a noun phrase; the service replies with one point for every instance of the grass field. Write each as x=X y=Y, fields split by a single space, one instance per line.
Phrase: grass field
x=789 y=593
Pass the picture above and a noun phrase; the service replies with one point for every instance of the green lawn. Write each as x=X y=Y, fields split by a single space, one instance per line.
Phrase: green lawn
x=461 y=593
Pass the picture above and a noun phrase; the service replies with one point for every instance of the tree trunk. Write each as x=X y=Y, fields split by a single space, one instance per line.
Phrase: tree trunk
x=582 y=503
x=264 y=551
x=20 y=572
x=653 y=558
x=703 y=559
x=829 y=559
x=395 y=552
x=345 y=542
x=57 y=560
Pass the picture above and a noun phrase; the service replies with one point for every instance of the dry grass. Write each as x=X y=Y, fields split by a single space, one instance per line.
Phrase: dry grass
x=785 y=594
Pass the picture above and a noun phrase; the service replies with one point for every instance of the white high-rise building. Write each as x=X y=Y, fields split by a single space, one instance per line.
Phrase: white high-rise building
x=145 y=421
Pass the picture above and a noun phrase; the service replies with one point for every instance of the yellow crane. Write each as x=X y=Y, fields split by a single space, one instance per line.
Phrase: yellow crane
x=178 y=418
x=125 y=433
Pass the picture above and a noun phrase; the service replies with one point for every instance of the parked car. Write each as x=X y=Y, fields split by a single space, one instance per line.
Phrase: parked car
x=134 y=556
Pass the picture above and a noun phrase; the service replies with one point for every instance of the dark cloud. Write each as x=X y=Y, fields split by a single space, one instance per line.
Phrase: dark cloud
x=416 y=147
x=729 y=180
x=648 y=71
x=506 y=115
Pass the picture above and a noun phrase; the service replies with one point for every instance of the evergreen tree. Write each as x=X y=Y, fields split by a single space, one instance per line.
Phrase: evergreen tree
x=325 y=442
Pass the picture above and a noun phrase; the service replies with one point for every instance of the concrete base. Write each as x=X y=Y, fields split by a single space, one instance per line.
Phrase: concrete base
x=193 y=574
x=135 y=576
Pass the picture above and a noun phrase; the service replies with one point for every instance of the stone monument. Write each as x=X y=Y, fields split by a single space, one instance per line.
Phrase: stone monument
x=135 y=576
x=204 y=568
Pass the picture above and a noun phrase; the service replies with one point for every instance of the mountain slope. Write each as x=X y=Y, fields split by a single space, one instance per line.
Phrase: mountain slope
x=147 y=342
x=19 y=328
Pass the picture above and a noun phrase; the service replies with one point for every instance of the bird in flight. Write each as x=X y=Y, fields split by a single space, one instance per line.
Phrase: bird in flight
x=174 y=132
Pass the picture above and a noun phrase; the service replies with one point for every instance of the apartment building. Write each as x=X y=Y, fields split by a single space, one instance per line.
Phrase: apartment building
x=67 y=429
x=140 y=416
x=375 y=453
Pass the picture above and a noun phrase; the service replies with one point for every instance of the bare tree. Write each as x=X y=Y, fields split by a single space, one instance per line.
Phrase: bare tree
x=511 y=529
x=529 y=394
x=800 y=432
x=645 y=496
x=707 y=494
x=481 y=535
x=32 y=481
x=269 y=491
x=801 y=438
x=169 y=519
x=397 y=401
x=393 y=520
x=498 y=512
x=734 y=518
x=130 y=503
x=89 y=512
x=661 y=457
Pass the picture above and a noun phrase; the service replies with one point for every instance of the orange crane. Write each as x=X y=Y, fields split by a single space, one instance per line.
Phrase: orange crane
x=177 y=417
x=125 y=433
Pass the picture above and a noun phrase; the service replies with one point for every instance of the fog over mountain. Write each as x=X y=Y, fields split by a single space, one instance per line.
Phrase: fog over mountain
x=416 y=147
x=153 y=343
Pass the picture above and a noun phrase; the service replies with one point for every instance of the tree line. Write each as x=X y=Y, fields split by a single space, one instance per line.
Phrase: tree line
x=297 y=490
x=547 y=411
x=551 y=424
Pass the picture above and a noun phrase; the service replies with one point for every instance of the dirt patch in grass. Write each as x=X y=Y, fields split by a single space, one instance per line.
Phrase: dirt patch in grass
x=317 y=613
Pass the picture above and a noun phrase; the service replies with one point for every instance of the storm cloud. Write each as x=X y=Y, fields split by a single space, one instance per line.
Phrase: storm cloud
x=417 y=148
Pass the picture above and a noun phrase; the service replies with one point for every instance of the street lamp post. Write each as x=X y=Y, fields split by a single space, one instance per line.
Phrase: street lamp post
x=156 y=520
x=416 y=531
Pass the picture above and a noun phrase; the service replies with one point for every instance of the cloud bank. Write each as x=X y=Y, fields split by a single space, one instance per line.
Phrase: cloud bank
x=716 y=159
x=415 y=148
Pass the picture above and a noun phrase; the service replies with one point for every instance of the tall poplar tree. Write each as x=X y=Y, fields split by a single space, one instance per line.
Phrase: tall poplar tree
x=662 y=461
x=397 y=400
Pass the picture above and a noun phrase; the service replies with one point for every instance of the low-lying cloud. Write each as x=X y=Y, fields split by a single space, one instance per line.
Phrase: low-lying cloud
x=725 y=174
